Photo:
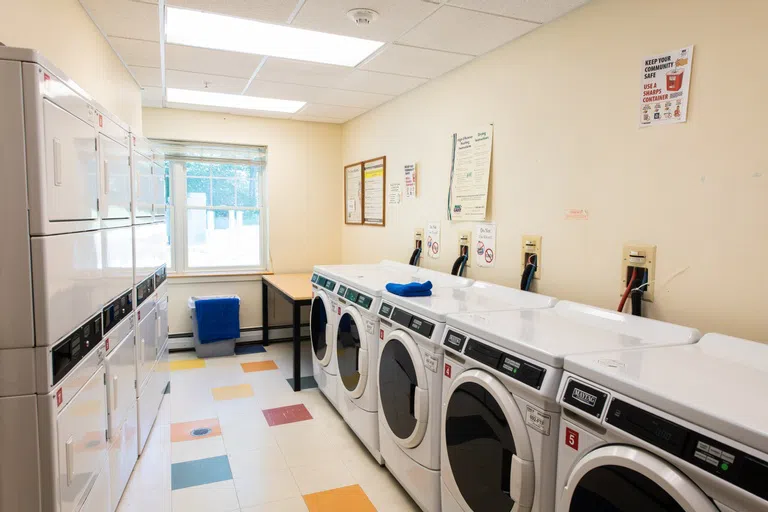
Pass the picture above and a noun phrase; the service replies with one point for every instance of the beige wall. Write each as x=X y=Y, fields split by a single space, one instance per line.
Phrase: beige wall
x=62 y=31
x=564 y=102
x=303 y=197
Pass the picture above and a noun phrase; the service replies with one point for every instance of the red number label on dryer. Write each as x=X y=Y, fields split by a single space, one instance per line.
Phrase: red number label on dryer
x=448 y=370
x=571 y=438
x=59 y=396
x=381 y=334
x=339 y=310
x=107 y=344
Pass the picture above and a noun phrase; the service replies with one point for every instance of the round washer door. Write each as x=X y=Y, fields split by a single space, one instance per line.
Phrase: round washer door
x=352 y=352
x=321 y=328
x=627 y=479
x=489 y=463
x=403 y=392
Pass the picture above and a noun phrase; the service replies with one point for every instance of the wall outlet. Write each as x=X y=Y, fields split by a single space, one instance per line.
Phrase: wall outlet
x=643 y=258
x=531 y=246
x=465 y=245
x=418 y=237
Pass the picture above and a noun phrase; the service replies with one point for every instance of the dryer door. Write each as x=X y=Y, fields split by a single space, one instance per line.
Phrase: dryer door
x=403 y=391
x=321 y=328
x=121 y=372
x=627 y=479
x=352 y=352
x=115 y=179
x=489 y=462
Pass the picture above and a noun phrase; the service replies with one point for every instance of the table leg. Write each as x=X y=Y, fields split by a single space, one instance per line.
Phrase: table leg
x=296 y=347
x=264 y=313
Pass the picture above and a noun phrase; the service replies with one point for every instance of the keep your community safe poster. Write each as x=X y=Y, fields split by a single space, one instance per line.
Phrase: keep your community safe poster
x=665 y=85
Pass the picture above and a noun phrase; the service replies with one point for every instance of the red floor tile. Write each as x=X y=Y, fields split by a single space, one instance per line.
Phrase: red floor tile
x=287 y=414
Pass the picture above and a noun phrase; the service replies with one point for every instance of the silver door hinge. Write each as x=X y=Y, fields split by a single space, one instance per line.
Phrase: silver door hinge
x=96 y=144
x=135 y=384
x=105 y=379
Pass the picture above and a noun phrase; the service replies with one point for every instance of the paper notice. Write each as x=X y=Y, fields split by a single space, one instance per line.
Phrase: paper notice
x=666 y=81
x=470 y=172
x=373 y=183
x=485 y=245
x=433 y=239
x=410 y=181
x=353 y=176
x=395 y=193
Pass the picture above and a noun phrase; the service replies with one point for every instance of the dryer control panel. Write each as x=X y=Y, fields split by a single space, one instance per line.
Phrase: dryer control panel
x=730 y=464
x=145 y=289
x=116 y=310
x=407 y=320
x=323 y=282
x=510 y=365
x=358 y=298
x=73 y=348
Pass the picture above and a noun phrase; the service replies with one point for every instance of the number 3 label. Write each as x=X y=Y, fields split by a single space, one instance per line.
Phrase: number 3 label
x=571 y=438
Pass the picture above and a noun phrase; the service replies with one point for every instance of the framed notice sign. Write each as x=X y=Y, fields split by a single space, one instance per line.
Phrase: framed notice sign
x=353 y=194
x=374 y=178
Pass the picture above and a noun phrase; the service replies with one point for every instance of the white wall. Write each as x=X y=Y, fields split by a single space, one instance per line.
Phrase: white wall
x=564 y=102
x=62 y=31
x=303 y=199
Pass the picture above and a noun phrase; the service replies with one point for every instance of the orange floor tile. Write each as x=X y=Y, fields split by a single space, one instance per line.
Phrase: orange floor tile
x=259 y=366
x=232 y=392
x=187 y=364
x=343 y=499
x=184 y=431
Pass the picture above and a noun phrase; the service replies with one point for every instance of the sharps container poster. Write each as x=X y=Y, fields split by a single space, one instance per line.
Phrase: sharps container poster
x=666 y=80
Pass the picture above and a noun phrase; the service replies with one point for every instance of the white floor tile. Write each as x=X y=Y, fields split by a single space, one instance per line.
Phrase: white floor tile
x=253 y=464
x=322 y=476
x=291 y=505
x=216 y=497
x=246 y=438
x=271 y=486
x=198 y=449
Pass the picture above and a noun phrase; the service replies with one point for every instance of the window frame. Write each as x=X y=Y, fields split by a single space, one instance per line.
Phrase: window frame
x=178 y=218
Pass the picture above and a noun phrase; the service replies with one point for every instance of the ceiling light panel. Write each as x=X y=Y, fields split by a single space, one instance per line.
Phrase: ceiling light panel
x=233 y=101
x=205 y=30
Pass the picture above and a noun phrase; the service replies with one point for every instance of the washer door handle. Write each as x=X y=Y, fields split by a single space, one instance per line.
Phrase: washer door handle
x=521 y=483
x=70 y=455
x=114 y=393
x=421 y=404
x=362 y=361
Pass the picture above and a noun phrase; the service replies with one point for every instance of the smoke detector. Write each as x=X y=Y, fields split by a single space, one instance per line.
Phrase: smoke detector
x=363 y=17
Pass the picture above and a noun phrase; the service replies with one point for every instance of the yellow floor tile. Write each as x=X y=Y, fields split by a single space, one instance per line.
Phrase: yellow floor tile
x=343 y=499
x=258 y=366
x=232 y=392
x=190 y=364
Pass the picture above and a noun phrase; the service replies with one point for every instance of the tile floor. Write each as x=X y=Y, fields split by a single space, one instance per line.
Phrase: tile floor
x=233 y=436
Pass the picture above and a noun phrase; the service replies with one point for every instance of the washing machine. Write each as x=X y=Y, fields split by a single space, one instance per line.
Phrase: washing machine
x=500 y=417
x=357 y=341
x=674 y=429
x=410 y=377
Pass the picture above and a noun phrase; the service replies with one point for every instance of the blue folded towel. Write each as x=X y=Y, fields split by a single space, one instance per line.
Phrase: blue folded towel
x=218 y=318
x=411 y=289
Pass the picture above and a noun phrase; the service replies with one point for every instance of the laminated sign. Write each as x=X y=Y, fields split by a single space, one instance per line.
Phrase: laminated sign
x=666 y=81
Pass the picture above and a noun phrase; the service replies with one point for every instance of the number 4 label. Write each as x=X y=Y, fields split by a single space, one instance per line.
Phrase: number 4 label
x=571 y=438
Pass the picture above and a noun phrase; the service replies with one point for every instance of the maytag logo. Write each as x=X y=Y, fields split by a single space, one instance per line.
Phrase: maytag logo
x=584 y=397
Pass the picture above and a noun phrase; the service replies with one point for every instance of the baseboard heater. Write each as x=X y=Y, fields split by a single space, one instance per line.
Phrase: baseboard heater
x=184 y=340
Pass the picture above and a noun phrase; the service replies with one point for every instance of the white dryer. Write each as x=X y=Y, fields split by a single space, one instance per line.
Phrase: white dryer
x=410 y=377
x=672 y=429
x=357 y=341
x=500 y=416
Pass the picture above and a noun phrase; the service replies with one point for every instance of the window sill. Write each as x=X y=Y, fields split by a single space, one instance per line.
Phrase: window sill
x=213 y=277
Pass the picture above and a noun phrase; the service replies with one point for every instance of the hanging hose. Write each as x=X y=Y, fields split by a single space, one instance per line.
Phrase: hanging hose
x=458 y=265
x=629 y=288
x=415 y=257
x=530 y=270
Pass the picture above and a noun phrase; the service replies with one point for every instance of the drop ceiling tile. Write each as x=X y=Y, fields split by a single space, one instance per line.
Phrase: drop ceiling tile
x=283 y=91
x=381 y=83
x=152 y=97
x=147 y=77
x=395 y=17
x=213 y=62
x=137 y=53
x=313 y=119
x=458 y=30
x=204 y=82
x=541 y=11
x=272 y=11
x=417 y=62
x=300 y=72
x=240 y=112
x=126 y=18
x=364 y=100
x=331 y=111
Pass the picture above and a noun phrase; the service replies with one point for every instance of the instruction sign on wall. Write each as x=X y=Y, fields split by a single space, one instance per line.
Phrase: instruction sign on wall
x=433 y=239
x=485 y=245
x=470 y=173
x=666 y=82
x=410 y=181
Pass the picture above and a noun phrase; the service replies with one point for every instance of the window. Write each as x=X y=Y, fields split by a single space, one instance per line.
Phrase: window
x=215 y=208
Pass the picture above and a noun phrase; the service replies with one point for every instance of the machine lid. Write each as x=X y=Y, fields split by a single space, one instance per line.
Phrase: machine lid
x=549 y=335
x=488 y=449
x=403 y=393
x=620 y=478
x=352 y=352
x=480 y=296
x=721 y=377
x=319 y=315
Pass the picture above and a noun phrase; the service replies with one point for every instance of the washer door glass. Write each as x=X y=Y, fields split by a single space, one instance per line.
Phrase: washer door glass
x=348 y=349
x=480 y=447
x=397 y=388
x=317 y=325
x=620 y=489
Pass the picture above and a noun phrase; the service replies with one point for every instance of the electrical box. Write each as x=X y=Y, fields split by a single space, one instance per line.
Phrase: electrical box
x=465 y=245
x=530 y=249
x=418 y=237
x=641 y=259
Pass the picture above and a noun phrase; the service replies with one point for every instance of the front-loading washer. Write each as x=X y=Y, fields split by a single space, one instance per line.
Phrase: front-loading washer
x=500 y=417
x=410 y=377
x=357 y=341
x=670 y=429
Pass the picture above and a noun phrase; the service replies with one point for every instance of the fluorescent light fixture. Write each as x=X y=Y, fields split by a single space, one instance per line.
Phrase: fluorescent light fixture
x=206 y=30
x=217 y=99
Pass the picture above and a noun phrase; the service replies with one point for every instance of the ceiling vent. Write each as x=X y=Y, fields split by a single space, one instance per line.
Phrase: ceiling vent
x=363 y=17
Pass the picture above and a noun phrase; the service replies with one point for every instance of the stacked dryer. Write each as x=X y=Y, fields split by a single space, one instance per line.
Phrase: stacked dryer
x=56 y=282
x=149 y=279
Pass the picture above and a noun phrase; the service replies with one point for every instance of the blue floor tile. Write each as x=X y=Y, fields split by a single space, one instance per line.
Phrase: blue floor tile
x=249 y=349
x=306 y=382
x=200 y=472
